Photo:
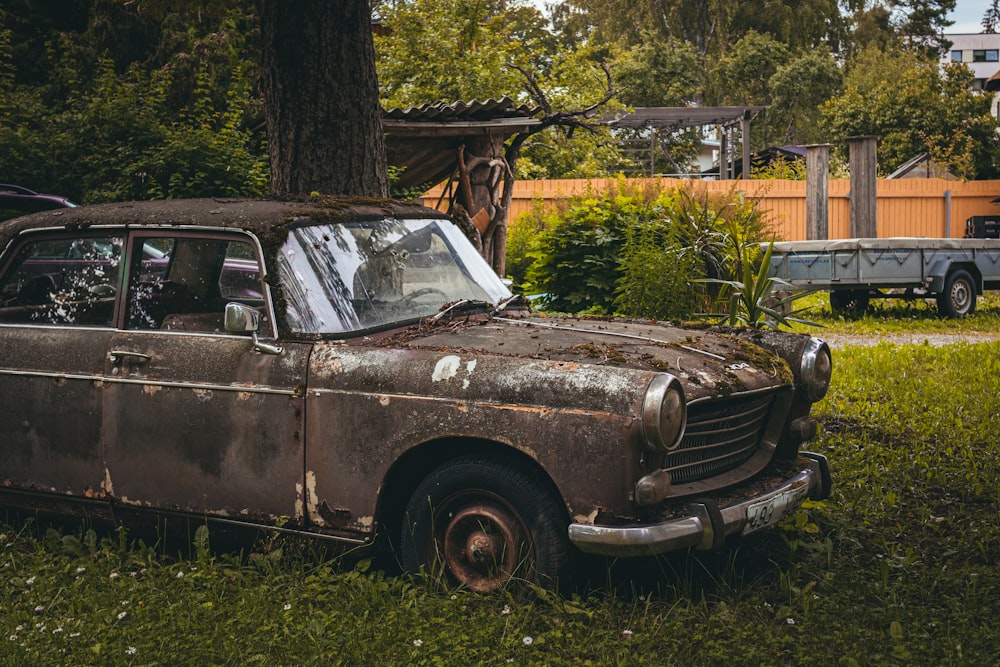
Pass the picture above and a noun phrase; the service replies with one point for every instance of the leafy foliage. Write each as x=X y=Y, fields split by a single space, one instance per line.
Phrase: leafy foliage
x=99 y=128
x=913 y=108
x=576 y=256
x=637 y=251
x=754 y=300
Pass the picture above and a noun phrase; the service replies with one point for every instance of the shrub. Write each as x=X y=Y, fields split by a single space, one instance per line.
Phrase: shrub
x=635 y=252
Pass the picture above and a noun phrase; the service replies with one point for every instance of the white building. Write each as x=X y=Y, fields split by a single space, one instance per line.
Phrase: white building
x=981 y=53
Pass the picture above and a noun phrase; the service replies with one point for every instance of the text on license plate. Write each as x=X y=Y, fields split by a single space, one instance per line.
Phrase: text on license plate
x=771 y=510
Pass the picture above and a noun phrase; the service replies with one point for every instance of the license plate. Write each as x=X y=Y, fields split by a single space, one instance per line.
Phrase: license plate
x=770 y=511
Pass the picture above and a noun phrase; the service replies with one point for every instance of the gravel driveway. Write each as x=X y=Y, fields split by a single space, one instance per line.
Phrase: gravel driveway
x=836 y=341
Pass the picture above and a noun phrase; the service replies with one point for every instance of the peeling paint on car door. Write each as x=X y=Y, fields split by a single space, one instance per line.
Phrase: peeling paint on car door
x=198 y=420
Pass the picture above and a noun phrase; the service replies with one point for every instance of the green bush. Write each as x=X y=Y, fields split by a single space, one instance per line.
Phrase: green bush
x=635 y=252
x=576 y=256
x=182 y=123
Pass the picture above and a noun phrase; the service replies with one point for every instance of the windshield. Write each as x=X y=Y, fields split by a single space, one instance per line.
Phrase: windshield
x=339 y=278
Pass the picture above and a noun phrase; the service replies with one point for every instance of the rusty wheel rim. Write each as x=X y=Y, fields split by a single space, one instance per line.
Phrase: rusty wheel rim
x=481 y=542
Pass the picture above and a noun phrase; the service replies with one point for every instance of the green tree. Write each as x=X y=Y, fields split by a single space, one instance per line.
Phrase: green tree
x=96 y=125
x=658 y=73
x=916 y=25
x=451 y=50
x=712 y=26
x=798 y=89
x=745 y=77
x=914 y=106
x=991 y=19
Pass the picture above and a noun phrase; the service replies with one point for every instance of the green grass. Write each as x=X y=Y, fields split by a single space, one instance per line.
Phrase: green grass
x=889 y=316
x=898 y=567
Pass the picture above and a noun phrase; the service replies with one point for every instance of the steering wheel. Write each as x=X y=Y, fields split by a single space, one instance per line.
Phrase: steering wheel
x=423 y=291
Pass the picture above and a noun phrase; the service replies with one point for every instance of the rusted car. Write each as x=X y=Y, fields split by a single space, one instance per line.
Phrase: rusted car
x=354 y=371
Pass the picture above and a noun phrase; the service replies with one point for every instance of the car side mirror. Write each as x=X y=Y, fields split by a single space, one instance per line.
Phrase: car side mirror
x=243 y=319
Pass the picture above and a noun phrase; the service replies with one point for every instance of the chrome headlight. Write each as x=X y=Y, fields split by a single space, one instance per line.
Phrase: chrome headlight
x=815 y=369
x=664 y=413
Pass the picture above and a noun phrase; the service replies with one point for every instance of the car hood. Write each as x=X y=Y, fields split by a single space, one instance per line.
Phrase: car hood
x=707 y=362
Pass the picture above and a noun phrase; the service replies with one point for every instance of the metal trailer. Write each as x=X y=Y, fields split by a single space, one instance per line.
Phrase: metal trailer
x=953 y=271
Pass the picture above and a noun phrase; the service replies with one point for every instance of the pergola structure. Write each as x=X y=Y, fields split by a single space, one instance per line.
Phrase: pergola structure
x=729 y=120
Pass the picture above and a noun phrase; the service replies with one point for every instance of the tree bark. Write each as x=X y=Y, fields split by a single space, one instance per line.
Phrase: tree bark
x=324 y=121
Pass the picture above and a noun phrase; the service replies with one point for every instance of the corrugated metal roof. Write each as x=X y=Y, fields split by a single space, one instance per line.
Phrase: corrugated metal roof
x=676 y=118
x=472 y=110
x=423 y=141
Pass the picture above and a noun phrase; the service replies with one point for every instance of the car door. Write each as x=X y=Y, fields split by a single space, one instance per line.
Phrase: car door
x=196 y=419
x=57 y=304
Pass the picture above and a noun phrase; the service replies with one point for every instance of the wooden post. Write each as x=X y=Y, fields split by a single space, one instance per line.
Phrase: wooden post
x=745 y=132
x=818 y=192
x=864 y=186
x=723 y=154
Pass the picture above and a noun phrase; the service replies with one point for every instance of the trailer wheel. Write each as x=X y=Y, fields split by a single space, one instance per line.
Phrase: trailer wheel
x=958 y=298
x=849 y=302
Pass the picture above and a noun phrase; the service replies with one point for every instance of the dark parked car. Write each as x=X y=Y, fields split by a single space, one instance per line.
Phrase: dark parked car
x=16 y=200
x=353 y=370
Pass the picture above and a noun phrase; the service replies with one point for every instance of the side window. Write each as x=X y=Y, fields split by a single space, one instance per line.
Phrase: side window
x=183 y=283
x=69 y=281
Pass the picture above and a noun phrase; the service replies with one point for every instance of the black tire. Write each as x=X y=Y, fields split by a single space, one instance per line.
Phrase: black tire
x=958 y=298
x=481 y=525
x=849 y=302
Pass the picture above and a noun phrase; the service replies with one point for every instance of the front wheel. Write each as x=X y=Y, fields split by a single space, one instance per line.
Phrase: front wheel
x=958 y=298
x=482 y=524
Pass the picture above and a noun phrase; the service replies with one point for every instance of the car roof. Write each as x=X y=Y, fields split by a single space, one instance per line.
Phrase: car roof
x=264 y=217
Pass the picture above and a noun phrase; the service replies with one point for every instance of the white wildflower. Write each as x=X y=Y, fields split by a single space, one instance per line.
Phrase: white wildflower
x=506 y=610
x=627 y=633
x=81 y=570
x=74 y=634
x=39 y=608
x=418 y=642
x=30 y=580
x=113 y=575
x=528 y=641
x=790 y=621
x=13 y=638
x=287 y=606
x=131 y=650
x=180 y=575
x=59 y=629
x=122 y=615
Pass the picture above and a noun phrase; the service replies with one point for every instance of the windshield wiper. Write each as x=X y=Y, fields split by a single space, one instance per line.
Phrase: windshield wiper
x=513 y=299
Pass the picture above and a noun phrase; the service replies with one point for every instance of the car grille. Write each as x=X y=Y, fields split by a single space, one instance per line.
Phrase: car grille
x=721 y=435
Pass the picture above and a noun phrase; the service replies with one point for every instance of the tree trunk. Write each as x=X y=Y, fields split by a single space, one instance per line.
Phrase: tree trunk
x=324 y=122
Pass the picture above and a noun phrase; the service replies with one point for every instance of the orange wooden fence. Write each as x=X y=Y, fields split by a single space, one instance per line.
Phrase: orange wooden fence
x=930 y=207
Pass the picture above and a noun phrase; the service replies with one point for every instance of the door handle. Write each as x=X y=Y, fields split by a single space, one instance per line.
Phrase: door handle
x=117 y=355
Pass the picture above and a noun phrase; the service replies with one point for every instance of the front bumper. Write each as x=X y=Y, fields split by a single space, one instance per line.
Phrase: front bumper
x=707 y=524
